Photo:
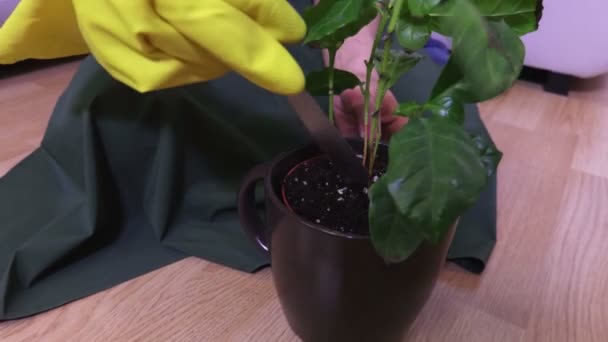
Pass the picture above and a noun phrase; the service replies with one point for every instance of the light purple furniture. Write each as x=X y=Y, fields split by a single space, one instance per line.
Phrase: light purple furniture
x=6 y=8
x=572 y=38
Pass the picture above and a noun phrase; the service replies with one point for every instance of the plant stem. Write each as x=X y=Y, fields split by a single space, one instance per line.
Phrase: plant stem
x=332 y=60
x=366 y=93
x=396 y=11
x=382 y=90
x=376 y=131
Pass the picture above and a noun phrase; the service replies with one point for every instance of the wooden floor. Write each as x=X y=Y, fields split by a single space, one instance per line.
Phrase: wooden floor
x=546 y=281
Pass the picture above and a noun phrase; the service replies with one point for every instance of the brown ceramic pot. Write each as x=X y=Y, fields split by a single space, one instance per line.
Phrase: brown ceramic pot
x=333 y=286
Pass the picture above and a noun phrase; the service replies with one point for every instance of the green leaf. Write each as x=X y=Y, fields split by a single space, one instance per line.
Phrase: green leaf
x=490 y=155
x=412 y=34
x=523 y=16
x=487 y=56
x=331 y=22
x=450 y=81
x=392 y=236
x=317 y=82
x=409 y=109
x=420 y=8
x=434 y=175
x=447 y=107
x=392 y=64
x=396 y=7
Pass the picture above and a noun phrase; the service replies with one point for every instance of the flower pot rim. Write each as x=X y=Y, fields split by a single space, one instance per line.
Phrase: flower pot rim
x=284 y=207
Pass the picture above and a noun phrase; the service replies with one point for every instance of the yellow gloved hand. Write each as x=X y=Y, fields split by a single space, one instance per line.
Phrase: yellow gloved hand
x=156 y=44
x=40 y=29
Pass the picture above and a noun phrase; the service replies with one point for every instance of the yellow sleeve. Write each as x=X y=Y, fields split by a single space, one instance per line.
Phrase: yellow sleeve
x=41 y=29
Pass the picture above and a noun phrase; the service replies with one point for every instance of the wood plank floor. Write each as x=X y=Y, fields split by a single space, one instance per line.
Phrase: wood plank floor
x=546 y=281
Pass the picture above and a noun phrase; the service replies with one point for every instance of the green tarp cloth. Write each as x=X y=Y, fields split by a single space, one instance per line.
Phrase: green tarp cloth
x=125 y=183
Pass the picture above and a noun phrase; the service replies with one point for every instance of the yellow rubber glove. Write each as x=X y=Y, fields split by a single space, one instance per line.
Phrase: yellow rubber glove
x=40 y=29
x=156 y=44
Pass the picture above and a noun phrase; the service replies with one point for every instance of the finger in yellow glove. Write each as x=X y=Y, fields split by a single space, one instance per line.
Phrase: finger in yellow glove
x=157 y=44
x=40 y=29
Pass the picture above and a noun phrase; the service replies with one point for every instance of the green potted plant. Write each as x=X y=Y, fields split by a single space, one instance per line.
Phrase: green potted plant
x=358 y=263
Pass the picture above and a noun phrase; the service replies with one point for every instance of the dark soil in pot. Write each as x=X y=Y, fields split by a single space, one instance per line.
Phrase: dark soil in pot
x=315 y=190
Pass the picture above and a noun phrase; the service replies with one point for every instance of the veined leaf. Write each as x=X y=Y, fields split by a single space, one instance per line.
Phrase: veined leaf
x=450 y=81
x=409 y=109
x=434 y=175
x=392 y=236
x=487 y=56
x=447 y=107
x=523 y=16
x=420 y=8
x=411 y=33
x=330 y=22
x=392 y=64
x=317 y=82
x=490 y=155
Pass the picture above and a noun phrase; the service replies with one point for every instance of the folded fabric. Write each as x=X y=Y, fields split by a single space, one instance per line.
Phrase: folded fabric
x=41 y=29
x=152 y=45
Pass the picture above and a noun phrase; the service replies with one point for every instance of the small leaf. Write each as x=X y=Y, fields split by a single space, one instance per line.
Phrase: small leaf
x=392 y=64
x=434 y=175
x=523 y=16
x=392 y=236
x=317 y=82
x=487 y=56
x=420 y=8
x=447 y=107
x=330 y=22
x=412 y=34
x=409 y=109
x=490 y=155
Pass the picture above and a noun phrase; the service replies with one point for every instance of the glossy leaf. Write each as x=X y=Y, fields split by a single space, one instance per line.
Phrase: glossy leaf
x=411 y=33
x=450 y=81
x=317 y=82
x=447 y=107
x=331 y=22
x=420 y=8
x=487 y=56
x=490 y=155
x=523 y=16
x=435 y=173
x=392 y=236
x=392 y=64
x=409 y=109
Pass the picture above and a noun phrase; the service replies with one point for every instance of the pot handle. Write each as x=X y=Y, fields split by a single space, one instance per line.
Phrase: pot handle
x=248 y=215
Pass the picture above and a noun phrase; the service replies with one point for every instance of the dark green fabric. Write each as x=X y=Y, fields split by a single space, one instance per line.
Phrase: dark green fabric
x=125 y=183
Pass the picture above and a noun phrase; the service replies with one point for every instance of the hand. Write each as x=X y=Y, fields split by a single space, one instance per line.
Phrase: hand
x=349 y=106
x=349 y=113
x=152 y=45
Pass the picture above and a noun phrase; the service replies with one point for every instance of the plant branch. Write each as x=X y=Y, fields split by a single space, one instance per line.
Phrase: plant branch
x=396 y=10
x=366 y=93
x=380 y=94
x=332 y=59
